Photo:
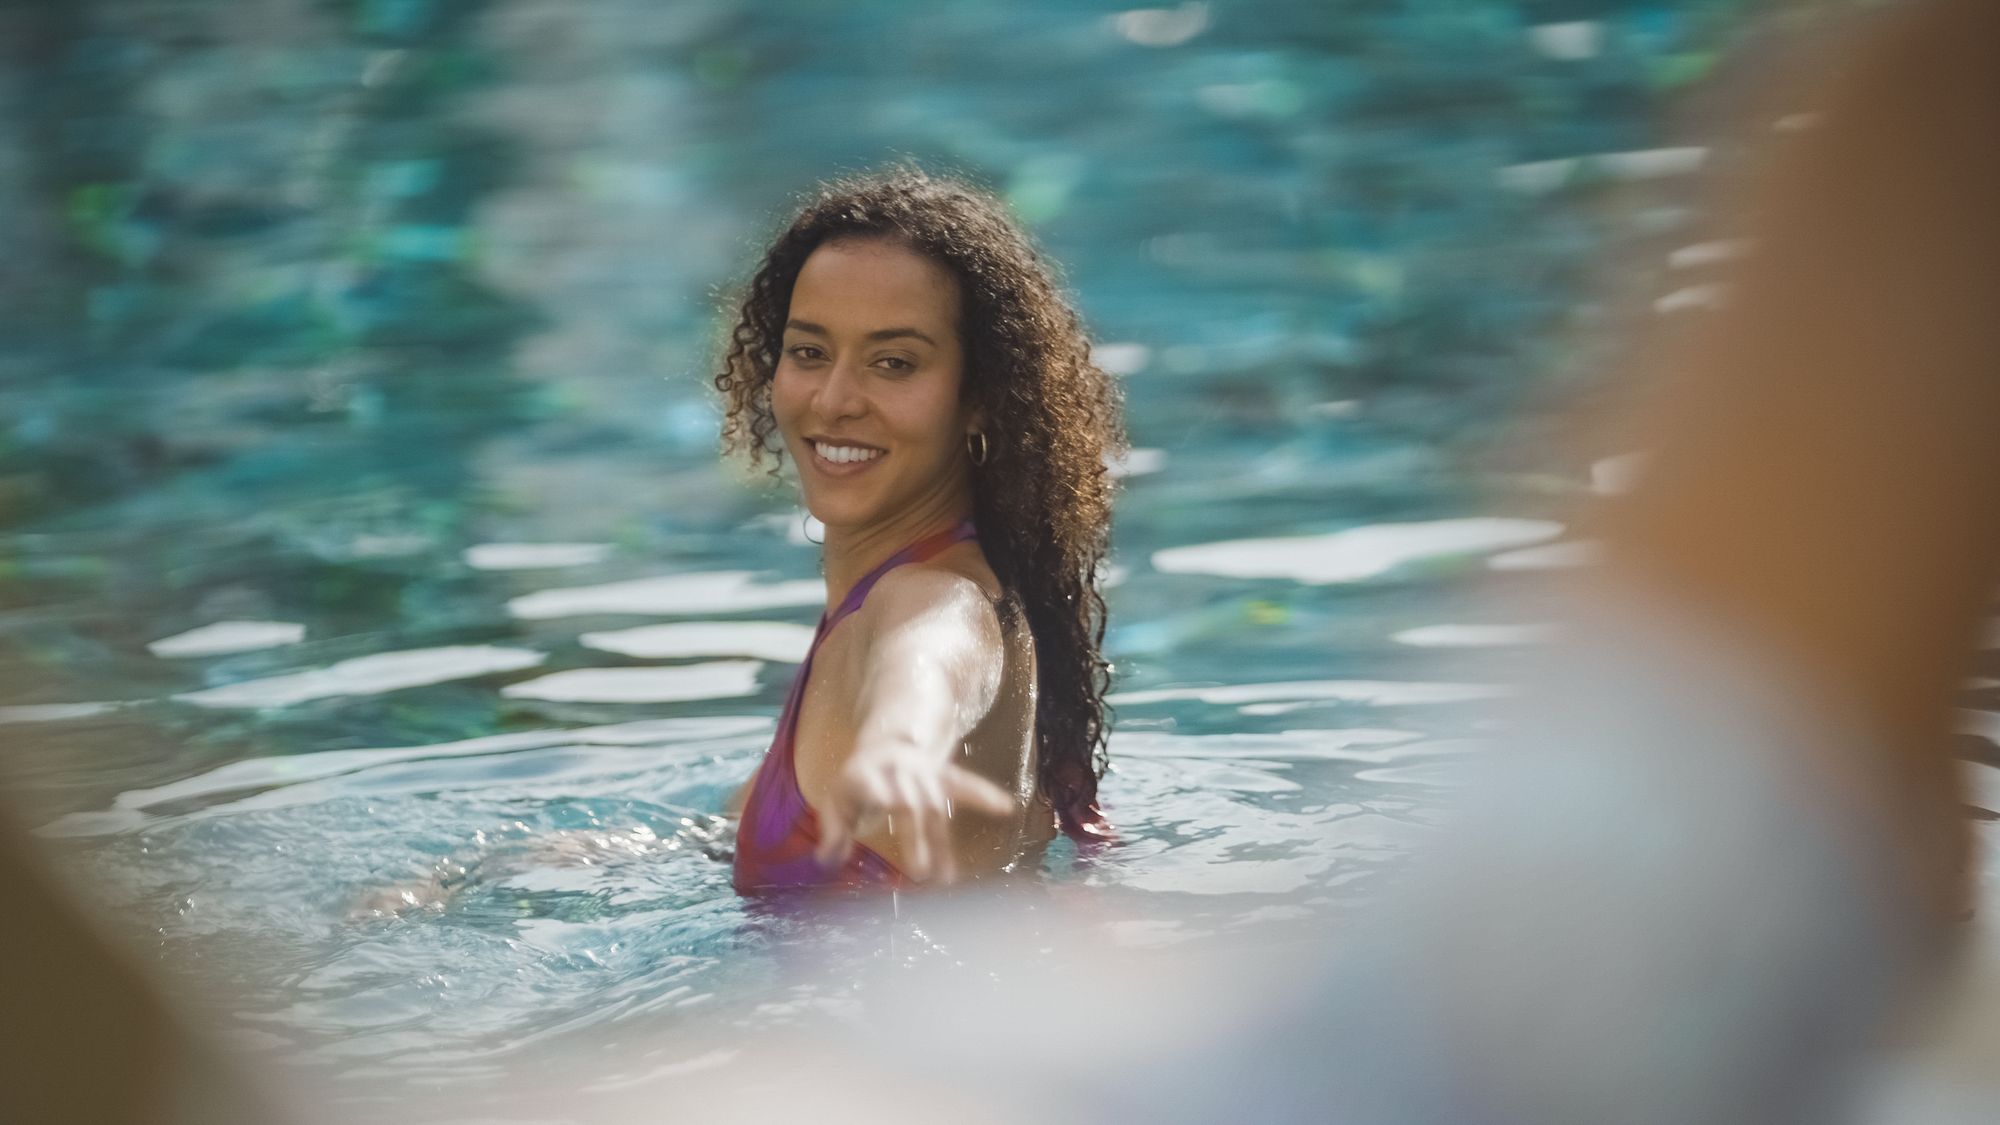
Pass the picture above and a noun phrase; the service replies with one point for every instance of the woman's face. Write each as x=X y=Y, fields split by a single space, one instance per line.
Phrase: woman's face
x=866 y=393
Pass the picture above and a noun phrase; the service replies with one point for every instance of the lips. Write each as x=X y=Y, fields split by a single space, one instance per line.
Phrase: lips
x=841 y=457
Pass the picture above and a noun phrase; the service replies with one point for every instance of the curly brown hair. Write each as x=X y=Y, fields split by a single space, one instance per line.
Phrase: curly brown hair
x=1042 y=499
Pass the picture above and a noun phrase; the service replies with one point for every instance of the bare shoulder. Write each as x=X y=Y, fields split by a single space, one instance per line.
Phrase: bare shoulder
x=938 y=592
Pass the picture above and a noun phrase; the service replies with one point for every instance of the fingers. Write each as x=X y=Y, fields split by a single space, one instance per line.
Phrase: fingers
x=978 y=794
x=911 y=802
x=836 y=833
x=937 y=829
x=854 y=801
x=919 y=804
x=840 y=821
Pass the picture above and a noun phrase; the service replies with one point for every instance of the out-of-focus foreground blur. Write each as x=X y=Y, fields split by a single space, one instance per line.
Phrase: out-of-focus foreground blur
x=379 y=633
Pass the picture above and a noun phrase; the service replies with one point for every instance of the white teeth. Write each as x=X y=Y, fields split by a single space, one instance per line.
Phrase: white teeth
x=844 y=454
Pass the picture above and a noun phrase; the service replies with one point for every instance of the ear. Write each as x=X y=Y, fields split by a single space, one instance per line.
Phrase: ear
x=975 y=421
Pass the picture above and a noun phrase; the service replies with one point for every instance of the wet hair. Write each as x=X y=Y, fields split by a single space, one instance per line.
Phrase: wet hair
x=1042 y=500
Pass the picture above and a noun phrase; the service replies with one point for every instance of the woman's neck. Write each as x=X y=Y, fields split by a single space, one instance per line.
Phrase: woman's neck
x=851 y=552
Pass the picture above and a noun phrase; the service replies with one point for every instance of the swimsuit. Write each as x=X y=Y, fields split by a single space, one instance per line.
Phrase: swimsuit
x=779 y=830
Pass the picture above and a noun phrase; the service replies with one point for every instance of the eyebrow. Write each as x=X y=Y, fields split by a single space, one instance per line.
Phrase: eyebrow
x=878 y=334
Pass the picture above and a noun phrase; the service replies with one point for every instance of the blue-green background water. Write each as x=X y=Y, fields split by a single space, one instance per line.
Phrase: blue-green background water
x=317 y=310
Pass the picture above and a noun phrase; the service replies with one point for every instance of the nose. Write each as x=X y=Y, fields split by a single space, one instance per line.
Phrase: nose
x=840 y=395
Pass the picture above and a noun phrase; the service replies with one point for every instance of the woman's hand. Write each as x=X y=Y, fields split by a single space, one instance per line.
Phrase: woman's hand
x=916 y=791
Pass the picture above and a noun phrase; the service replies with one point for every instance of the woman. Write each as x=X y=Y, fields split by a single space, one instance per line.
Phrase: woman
x=904 y=345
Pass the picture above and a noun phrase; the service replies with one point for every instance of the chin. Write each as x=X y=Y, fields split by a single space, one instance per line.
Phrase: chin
x=835 y=514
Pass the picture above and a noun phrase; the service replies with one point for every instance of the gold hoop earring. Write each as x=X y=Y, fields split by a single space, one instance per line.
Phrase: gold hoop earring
x=806 y=530
x=977 y=448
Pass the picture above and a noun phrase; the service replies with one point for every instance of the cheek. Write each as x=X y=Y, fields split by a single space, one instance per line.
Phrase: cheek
x=931 y=420
x=943 y=412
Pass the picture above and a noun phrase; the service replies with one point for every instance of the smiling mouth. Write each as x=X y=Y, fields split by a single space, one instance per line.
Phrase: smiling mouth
x=845 y=453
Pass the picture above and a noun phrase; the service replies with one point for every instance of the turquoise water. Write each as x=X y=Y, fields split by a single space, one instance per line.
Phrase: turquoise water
x=568 y=872
x=355 y=451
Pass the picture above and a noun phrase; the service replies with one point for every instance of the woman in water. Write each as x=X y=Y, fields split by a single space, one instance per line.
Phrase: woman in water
x=902 y=342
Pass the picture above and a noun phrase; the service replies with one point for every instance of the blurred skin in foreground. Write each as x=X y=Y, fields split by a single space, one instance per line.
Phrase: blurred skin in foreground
x=1825 y=454
x=1724 y=863
x=87 y=1038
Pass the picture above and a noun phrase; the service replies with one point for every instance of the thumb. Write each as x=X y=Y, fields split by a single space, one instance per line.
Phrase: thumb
x=836 y=832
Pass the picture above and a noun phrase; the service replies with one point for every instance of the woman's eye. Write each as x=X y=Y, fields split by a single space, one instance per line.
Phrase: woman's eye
x=804 y=351
x=896 y=363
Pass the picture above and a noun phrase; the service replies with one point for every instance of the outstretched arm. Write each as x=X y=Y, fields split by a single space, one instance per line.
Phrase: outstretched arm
x=930 y=672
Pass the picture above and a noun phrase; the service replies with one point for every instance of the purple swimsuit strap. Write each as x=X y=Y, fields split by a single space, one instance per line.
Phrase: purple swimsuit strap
x=922 y=549
x=925 y=548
